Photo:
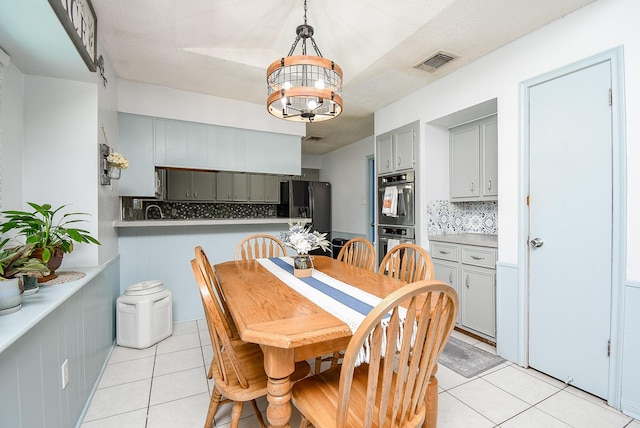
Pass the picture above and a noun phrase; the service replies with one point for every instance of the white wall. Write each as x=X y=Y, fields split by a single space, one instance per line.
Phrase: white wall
x=346 y=170
x=60 y=152
x=160 y=101
x=12 y=136
x=108 y=200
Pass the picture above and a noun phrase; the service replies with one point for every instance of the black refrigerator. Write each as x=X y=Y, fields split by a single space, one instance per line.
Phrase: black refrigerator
x=312 y=199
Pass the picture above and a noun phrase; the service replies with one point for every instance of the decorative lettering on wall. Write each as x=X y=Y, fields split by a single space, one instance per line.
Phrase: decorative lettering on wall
x=79 y=21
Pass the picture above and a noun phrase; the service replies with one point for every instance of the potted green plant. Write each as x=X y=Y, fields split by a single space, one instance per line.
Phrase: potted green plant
x=49 y=230
x=16 y=261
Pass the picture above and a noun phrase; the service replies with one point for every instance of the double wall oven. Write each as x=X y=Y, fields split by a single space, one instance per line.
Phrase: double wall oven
x=396 y=225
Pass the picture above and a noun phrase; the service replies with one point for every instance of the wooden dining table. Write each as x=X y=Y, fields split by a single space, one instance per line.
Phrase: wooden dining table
x=290 y=328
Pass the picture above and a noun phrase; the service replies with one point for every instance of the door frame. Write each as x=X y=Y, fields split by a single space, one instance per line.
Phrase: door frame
x=619 y=193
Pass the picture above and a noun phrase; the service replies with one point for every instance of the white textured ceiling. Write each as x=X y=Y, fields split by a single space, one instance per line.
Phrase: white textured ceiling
x=223 y=47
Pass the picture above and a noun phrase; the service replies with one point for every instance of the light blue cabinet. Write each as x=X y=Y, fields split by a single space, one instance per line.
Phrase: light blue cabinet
x=136 y=144
x=185 y=144
x=149 y=142
x=232 y=153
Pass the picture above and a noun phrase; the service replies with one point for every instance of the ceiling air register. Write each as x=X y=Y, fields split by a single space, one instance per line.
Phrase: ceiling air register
x=304 y=87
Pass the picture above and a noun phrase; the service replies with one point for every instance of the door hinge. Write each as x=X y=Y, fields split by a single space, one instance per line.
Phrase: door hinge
x=609 y=348
x=610 y=97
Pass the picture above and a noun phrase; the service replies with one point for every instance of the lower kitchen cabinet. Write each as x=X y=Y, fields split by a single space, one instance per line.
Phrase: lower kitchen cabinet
x=447 y=272
x=470 y=270
x=478 y=308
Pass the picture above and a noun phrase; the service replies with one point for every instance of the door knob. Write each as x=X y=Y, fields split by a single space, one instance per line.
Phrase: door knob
x=536 y=242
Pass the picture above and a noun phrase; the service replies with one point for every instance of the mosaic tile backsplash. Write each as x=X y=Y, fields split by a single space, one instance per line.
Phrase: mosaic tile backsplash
x=462 y=217
x=184 y=210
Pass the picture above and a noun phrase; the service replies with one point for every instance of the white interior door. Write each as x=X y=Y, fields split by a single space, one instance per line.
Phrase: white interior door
x=570 y=144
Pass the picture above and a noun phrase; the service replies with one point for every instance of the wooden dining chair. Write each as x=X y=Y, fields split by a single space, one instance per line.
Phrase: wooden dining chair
x=259 y=245
x=407 y=262
x=358 y=252
x=215 y=291
x=237 y=367
x=385 y=392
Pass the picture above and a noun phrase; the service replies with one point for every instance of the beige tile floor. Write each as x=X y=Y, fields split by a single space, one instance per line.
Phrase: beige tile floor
x=166 y=386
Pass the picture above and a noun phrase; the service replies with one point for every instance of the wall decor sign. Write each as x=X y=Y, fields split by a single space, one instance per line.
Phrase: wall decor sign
x=79 y=21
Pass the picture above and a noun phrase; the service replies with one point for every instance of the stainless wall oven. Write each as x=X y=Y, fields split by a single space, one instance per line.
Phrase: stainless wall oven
x=398 y=234
x=402 y=187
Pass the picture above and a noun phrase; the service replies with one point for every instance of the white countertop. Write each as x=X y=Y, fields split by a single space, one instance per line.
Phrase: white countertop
x=480 y=239
x=37 y=306
x=205 y=222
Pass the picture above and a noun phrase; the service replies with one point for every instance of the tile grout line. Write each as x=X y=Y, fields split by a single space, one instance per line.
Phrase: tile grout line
x=153 y=371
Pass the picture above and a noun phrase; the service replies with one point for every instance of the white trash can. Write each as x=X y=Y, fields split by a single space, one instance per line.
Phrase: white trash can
x=144 y=315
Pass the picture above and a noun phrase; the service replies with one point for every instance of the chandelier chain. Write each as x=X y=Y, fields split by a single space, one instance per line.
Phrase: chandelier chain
x=305 y=12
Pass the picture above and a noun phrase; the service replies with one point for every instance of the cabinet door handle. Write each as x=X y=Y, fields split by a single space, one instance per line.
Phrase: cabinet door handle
x=466 y=281
x=399 y=160
x=443 y=252
x=471 y=186
x=195 y=194
x=450 y=278
x=388 y=163
x=489 y=184
x=477 y=258
x=186 y=194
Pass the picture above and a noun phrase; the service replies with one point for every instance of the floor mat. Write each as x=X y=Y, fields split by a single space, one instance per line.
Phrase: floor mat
x=467 y=360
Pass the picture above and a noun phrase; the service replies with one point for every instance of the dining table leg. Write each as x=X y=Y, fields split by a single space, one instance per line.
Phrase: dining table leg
x=431 y=418
x=278 y=365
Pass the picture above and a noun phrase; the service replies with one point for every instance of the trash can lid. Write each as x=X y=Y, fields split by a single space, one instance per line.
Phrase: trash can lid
x=145 y=287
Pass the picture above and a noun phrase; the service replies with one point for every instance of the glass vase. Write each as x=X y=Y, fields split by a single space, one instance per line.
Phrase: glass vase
x=114 y=173
x=302 y=266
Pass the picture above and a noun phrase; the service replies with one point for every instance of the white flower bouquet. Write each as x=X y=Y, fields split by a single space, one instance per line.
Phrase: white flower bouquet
x=302 y=239
x=116 y=160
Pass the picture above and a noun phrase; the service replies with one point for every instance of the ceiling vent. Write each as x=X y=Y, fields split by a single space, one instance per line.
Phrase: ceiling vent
x=435 y=61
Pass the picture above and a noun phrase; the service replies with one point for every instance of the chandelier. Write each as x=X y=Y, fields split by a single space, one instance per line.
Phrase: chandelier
x=304 y=87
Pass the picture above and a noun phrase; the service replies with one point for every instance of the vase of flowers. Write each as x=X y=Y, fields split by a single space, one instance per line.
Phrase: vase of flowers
x=116 y=163
x=302 y=240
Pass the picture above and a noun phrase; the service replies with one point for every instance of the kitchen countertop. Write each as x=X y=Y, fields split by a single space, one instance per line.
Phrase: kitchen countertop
x=480 y=239
x=204 y=222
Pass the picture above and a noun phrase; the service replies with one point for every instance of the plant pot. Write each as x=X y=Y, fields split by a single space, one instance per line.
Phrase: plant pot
x=54 y=262
x=10 y=297
x=302 y=266
x=29 y=282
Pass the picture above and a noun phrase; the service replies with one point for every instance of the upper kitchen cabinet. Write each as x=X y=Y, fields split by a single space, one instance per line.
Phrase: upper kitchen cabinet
x=136 y=144
x=474 y=161
x=193 y=186
x=185 y=144
x=232 y=187
x=396 y=150
x=181 y=144
x=264 y=188
x=271 y=153
x=232 y=148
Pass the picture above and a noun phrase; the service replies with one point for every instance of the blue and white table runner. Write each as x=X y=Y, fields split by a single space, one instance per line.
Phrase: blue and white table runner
x=345 y=302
